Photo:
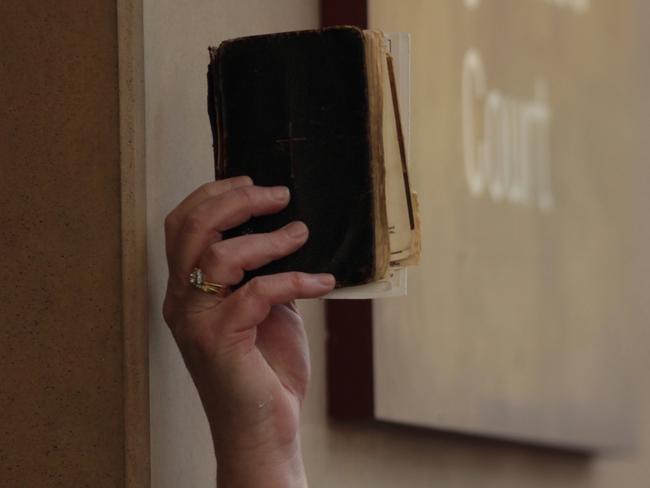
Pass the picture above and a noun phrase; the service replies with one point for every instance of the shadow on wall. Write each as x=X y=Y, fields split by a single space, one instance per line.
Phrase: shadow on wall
x=461 y=456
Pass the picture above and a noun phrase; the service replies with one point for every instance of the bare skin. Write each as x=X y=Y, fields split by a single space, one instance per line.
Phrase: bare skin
x=247 y=352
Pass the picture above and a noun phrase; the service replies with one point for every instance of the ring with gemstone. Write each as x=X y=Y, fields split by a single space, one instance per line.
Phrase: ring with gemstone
x=197 y=279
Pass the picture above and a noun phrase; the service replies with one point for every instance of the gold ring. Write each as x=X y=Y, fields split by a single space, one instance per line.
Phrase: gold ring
x=197 y=279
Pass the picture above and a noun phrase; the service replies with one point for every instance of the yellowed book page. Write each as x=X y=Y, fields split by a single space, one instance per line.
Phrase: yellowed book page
x=375 y=66
x=397 y=204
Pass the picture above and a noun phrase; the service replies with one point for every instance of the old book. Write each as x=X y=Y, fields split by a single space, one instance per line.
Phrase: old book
x=318 y=111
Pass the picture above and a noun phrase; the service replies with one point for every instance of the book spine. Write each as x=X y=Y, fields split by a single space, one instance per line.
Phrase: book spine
x=215 y=114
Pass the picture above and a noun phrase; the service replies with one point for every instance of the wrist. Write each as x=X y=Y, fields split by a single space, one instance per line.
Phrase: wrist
x=268 y=468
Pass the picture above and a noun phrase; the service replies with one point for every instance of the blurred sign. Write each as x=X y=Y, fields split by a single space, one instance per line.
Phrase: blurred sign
x=522 y=142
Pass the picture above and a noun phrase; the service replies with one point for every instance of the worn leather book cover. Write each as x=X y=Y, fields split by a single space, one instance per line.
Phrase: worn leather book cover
x=293 y=109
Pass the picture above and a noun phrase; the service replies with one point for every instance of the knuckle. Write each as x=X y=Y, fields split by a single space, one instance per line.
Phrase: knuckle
x=244 y=179
x=254 y=288
x=218 y=254
x=220 y=258
x=246 y=195
x=207 y=189
x=236 y=274
x=193 y=224
x=235 y=181
x=296 y=280
x=170 y=222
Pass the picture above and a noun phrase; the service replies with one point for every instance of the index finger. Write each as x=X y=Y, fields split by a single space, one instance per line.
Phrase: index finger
x=247 y=307
x=175 y=219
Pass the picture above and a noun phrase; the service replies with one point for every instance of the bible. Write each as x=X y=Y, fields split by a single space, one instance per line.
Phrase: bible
x=318 y=112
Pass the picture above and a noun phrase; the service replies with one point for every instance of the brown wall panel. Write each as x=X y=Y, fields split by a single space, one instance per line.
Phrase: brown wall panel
x=61 y=338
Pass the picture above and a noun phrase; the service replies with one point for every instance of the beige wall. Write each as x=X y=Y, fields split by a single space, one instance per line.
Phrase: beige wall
x=179 y=158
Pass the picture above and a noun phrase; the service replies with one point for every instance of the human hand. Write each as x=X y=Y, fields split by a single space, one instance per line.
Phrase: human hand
x=247 y=352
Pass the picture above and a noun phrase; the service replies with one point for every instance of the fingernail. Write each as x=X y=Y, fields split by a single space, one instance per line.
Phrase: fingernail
x=325 y=279
x=280 y=192
x=296 y=229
